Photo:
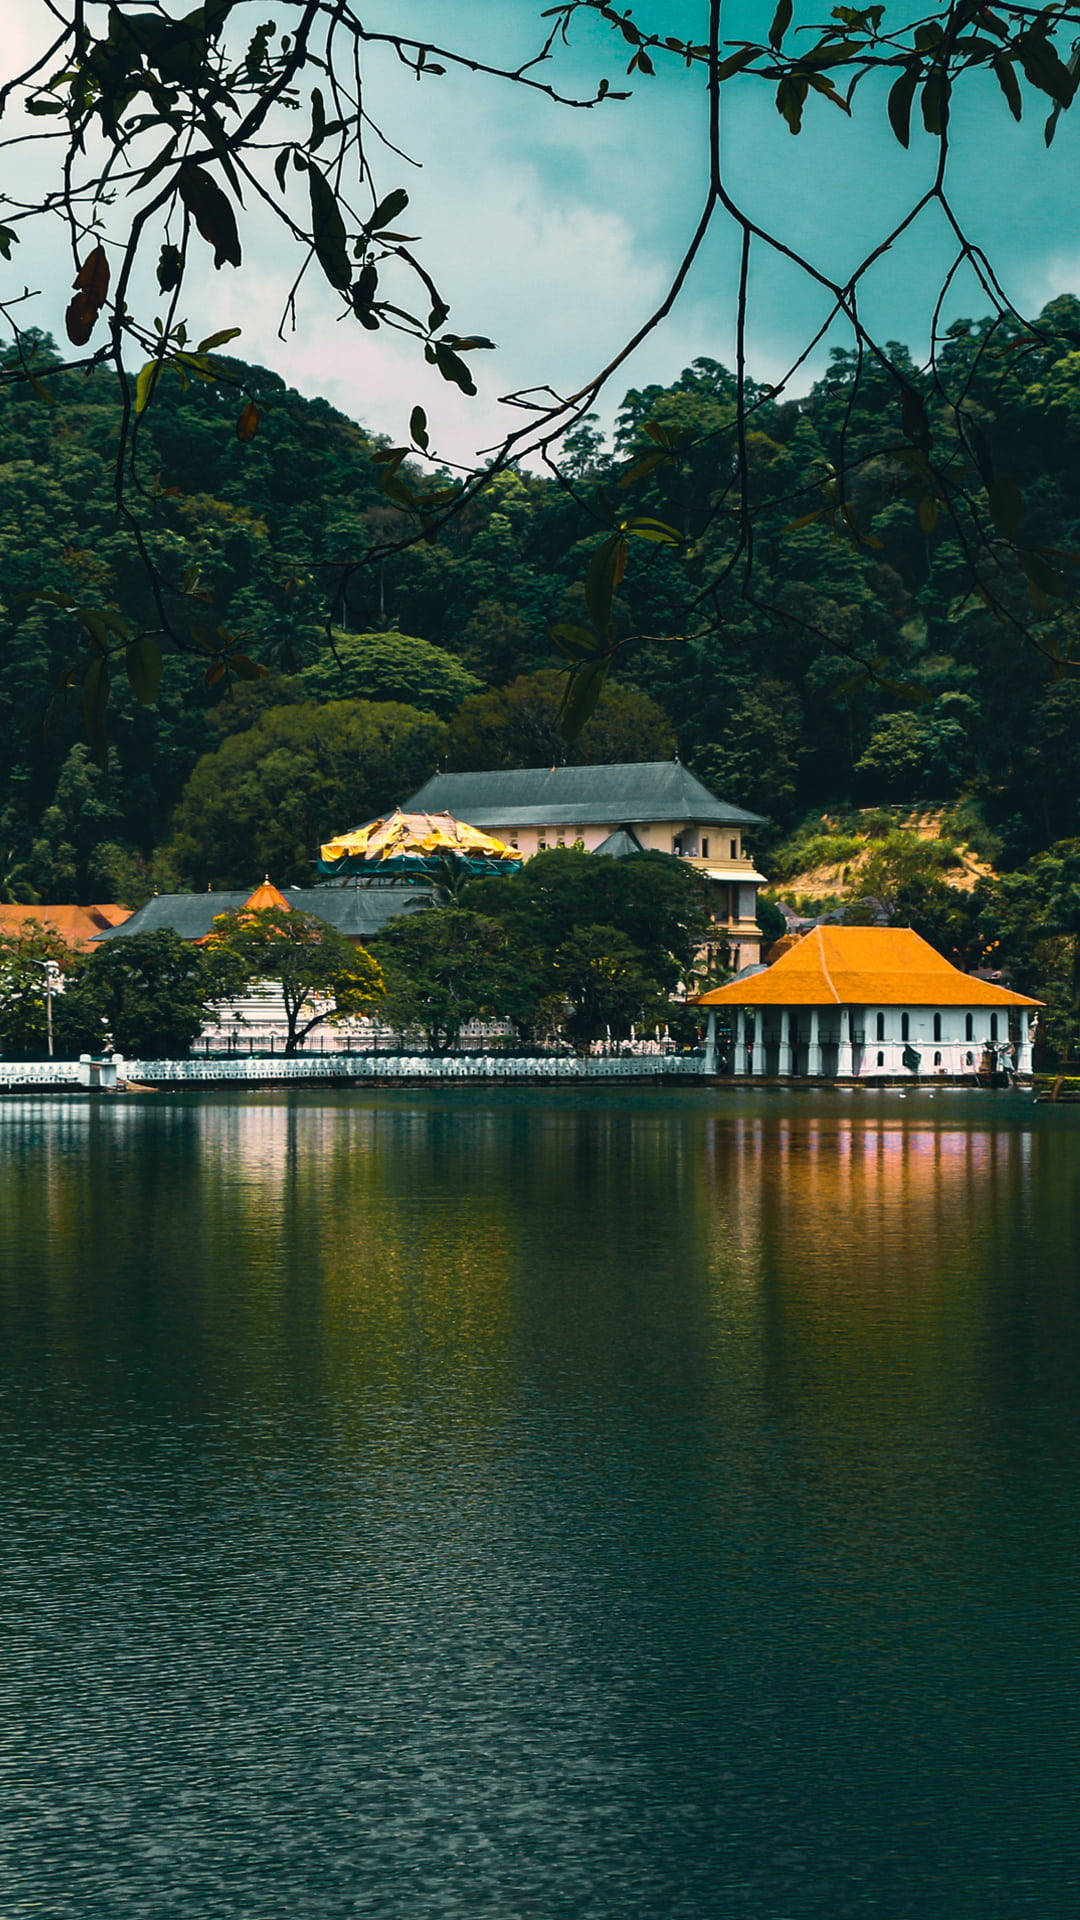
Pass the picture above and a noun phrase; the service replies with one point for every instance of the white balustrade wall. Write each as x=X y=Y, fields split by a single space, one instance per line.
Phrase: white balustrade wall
x=346 y=1066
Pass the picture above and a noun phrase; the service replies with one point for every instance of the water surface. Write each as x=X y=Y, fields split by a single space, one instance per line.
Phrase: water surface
x=539 y=1505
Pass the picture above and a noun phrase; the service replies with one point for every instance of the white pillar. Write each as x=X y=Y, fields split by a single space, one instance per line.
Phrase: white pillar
x=783 y=1064
x=757 y=1064
x=738 y=1058
x=710 y=1042
x=845 y=1065
x=1023 y=1057
x=813 y=1051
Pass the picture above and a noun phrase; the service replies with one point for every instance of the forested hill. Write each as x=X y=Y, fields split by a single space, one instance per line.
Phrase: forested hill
x=763 y=707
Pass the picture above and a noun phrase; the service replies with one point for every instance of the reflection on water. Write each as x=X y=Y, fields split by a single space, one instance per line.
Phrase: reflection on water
x=608 y=1506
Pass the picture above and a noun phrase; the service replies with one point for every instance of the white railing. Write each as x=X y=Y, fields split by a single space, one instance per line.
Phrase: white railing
x=420 y=1066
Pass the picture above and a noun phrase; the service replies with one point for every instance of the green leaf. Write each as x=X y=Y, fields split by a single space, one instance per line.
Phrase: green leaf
x=8 y=239
x=805 y=520
x=418 y=428
x=170 y=266
x=781 y=22
x=388 y=210
x=606 y=570
x=1045 y=70
x=1006 y=504
x=247 y=426
x=790 y=99
x=452 y=368
x=927 y=513
x=577 y=642
x=735 y=63
x=328 y=232
x=643 y=527
x=1008 y=82
x=578 y=704
x=145 y=384
x=246 y=669
x=281 y=163
x=217 y=339
x=318 y=120
x=144 y=668
x=935 y=101
x=900 y=98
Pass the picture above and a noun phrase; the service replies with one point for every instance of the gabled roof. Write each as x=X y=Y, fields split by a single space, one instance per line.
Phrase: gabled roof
x=78 y=926
x=620 y=844
x=626 y=793
x=357 y=912
x=863 y=967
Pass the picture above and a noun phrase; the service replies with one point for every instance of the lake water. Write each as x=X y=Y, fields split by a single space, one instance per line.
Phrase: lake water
x=539 y=1506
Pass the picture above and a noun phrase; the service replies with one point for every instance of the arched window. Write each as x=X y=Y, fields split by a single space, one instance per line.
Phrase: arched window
x=881 y=1059
x=905 y=1026
x=993 y=1027
x=969 y=1028
x=969 y=1058
x=880 y=1029
x=937 y=1059
x=937 y=1031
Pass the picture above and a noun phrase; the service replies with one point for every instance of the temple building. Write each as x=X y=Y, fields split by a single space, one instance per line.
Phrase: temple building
x=651 y=806
x=866 y=1003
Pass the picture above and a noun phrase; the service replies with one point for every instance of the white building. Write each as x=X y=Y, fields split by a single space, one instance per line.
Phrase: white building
x=865 y=1003
x=651 y=806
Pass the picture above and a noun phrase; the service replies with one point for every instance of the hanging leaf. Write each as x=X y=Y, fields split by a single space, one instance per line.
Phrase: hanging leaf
x=170 y=266
x=791 y=98
x=606 y=570
x=418 y=428
x=144 y=665
x=453 y=369
x=1008 y=82
x=781 y=22
x=246 y=669
x=577 y=642
x=91 y=288
x=900 y=98
x=927 y=513
x=211 y=211
x=328 y=232
x=578 y=704
x=145 y=384
x=916 y=421
x=247 y=426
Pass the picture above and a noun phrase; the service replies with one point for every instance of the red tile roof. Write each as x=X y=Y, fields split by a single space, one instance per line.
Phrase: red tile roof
x=76 y=925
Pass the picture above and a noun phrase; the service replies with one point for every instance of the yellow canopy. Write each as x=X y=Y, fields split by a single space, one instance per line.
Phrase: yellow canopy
x=417 y=835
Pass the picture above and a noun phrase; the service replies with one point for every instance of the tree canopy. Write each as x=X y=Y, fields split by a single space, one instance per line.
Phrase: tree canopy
x=155 y=133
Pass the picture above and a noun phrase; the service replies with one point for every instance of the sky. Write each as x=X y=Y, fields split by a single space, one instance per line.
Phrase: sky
x=554 y=232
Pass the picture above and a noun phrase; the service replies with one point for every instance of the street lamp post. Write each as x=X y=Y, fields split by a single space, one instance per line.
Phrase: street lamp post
x=51 y=970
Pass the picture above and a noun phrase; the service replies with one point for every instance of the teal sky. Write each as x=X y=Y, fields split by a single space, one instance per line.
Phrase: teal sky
x=555 y=231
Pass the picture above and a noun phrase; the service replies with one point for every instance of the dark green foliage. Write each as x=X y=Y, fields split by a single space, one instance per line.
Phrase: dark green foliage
x=150 y=995
x=321 y=974
x=266 y=799
x=518 y=726
x=389 y=666
x=451 y=965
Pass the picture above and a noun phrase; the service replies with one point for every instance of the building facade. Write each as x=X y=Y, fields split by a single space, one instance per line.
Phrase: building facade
x=652 y=806
x=866 y=1003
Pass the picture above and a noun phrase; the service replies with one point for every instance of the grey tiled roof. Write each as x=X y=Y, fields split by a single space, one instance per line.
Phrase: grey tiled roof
x=619 y=844
x=357 y=912
x=618 y=795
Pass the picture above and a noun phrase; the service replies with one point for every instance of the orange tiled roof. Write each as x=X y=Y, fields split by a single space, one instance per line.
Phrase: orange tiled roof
x=75 y=925
x=862 y=967
x=265 y=895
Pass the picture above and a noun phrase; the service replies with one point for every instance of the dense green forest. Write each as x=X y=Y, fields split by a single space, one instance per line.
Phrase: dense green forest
x=442 y=653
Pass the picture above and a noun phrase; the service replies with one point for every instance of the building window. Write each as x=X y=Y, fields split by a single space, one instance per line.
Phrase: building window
x=969 y=1029
x=676 y=843
x=905 y=1026
x=969 y=1058
x=881 y=1059
x=734 y=849
x=937 y=1059
x=993 y=1028
x=704 y=846
x=541 y=840
x=880 y=1029
x=937 y=1029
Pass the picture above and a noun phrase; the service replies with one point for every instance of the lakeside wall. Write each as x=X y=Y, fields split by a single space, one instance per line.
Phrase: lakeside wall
x=346 y=1067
